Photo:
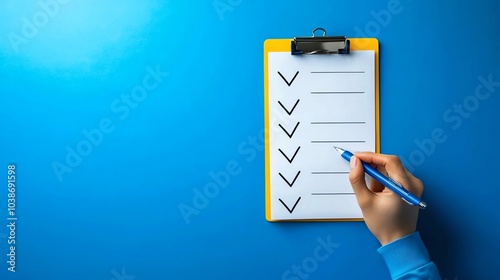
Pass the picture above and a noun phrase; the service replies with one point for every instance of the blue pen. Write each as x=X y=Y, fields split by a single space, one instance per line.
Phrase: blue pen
x=386 y=181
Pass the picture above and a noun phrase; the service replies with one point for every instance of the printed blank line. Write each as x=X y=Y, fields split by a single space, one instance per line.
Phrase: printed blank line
x=337 y=72
x=329 y=172
x=338 y=122
x=337 y=92
x=336 y=141
x=332 y=193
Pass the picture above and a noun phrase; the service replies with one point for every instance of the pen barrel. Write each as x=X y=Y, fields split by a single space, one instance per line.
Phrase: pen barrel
x=386 y=181
x=347 y=155
x=391 y=184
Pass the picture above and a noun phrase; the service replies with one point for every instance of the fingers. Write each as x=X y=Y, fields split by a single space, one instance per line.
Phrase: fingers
x=357 y=179
x=394 y=169
x=376 y=186
x=416 y=185
x=391 y=164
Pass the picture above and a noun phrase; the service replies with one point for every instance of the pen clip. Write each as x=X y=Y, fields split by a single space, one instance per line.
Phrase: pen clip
x=421 y=204
x=400 y=186
x=406 y=201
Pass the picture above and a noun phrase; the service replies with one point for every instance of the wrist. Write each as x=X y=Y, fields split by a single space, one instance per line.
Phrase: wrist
x=393 y=236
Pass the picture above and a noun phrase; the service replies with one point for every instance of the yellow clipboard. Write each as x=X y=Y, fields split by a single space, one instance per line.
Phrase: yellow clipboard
x=287 y=46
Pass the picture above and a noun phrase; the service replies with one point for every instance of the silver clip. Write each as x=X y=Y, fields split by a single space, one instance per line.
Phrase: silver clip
x=320 y=44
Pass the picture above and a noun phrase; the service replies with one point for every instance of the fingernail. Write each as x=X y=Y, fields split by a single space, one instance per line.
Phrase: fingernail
x=353 y=162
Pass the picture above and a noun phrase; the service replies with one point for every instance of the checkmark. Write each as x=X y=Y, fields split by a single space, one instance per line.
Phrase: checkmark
x=294 y=129
x=286 y=81
x=293 y=208
x=294 y=179
x=287 y=158
x=286 y=110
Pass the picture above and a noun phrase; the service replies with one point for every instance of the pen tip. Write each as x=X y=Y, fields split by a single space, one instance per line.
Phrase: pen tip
x=340 y=150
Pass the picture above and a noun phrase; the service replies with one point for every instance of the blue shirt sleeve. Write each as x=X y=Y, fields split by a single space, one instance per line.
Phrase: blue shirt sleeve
x=407 y=258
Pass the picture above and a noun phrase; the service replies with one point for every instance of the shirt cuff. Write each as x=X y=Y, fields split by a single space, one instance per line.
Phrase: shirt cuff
x=405 y=254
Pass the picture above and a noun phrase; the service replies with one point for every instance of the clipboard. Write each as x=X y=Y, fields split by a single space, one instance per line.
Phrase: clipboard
x=305 y=179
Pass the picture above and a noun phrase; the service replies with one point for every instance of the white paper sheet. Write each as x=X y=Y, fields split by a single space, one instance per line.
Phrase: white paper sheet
x=317 y=102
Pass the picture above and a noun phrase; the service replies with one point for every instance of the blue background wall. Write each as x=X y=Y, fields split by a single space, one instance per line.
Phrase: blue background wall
x=113 y=210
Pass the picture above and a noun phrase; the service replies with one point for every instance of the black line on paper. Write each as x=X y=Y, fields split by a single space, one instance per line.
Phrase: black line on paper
x=329 y=172
x=337 y=92
x=332 y=193
x=336 y=141
x=337 y=72
x=354 y=122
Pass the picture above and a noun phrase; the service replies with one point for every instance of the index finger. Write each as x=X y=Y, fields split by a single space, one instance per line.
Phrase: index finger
x=392 y=164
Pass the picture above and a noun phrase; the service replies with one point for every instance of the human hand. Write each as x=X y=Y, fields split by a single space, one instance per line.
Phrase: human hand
x=387 y=216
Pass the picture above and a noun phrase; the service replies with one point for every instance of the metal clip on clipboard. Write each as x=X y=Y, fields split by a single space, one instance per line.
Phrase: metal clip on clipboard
x=320 y=44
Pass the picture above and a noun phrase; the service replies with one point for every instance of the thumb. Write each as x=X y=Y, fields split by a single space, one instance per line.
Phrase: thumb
x=357 y=179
